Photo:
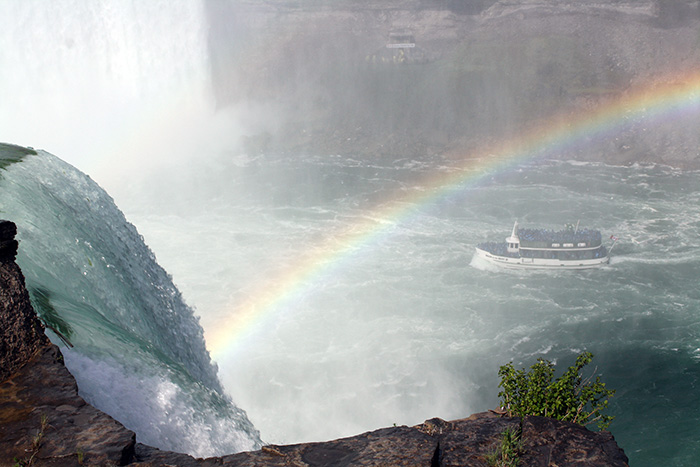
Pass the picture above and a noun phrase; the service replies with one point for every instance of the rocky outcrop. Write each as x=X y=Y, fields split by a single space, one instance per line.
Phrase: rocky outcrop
x=21 y=334
x=43 y=420
x=434 y=443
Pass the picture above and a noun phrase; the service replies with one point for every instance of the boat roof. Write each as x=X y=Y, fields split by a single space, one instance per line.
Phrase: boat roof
x=568 y=234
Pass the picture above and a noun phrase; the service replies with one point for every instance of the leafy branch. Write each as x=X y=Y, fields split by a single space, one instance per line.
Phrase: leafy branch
x=568 y=397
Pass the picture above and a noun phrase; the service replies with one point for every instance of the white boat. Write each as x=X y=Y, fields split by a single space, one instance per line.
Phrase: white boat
x=571 y=248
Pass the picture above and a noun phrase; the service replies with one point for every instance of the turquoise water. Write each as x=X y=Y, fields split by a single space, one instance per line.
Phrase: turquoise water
x=409 y=327
x=138 y=352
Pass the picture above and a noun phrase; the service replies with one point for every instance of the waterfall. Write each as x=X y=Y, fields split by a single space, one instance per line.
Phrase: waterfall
x=116 y=88
x=119 y=89
x=138 y=350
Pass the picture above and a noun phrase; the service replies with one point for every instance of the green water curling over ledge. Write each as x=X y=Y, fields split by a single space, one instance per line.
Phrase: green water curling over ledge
x=11 y=153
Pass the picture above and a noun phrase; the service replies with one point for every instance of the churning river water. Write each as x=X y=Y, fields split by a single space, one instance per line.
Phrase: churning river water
x=407 y=326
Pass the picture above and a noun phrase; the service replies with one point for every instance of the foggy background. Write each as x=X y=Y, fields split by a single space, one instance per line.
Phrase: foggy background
x=121 y=92
x=324 y=80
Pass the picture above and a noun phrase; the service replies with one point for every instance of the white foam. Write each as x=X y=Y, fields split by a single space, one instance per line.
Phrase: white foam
x=623 y=259
x=160 y=411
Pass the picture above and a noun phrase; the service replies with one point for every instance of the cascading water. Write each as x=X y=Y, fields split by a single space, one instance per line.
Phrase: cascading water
x=119 y=89
x=138 y=350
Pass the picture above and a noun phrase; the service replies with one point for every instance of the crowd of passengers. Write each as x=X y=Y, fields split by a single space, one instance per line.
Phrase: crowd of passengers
x=590 y=236
x=565 y=255
x=501 y=249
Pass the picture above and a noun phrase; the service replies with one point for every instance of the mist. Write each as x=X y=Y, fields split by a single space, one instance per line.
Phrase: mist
x=121 y=97
x=335 y=77
x=119 y=91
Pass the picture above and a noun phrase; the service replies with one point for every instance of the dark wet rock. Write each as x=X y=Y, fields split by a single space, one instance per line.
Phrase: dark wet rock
x=147 y=456
x=434 y=443
x=469 y=441
x=21 y=333
x=42 y=417
x=397 y=446
x=8 y=244
x=553 y=442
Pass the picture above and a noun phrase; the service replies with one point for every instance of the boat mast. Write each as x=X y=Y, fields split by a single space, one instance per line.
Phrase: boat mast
x=514 y=241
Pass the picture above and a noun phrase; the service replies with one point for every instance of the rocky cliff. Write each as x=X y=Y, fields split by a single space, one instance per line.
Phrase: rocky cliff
x=410 y=78
x=43 y=420
x=21 y=334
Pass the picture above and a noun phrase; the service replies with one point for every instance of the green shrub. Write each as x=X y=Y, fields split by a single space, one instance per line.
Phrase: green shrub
x=568 y=397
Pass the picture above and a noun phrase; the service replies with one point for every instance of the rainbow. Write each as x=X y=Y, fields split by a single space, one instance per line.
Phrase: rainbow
x=672 y=96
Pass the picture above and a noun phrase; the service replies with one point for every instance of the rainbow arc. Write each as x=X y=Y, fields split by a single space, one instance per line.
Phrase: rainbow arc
x=677 y=96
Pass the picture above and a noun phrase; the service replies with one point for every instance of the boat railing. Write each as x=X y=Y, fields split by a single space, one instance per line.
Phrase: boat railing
x=559 y=246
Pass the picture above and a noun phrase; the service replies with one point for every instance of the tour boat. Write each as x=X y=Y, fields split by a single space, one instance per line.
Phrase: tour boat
x=571 y=248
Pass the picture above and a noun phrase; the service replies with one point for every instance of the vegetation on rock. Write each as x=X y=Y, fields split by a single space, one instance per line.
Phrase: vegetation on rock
x=569 y=397
x=507 y=453
x=36 y=444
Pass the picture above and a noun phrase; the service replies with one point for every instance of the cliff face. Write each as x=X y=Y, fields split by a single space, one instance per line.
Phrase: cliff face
x=21 y=334
x=434 y=443
x=331 y=77
x=43 y=420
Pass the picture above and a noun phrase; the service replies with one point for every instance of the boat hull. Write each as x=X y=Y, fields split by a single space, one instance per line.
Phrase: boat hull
x=540 y=263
